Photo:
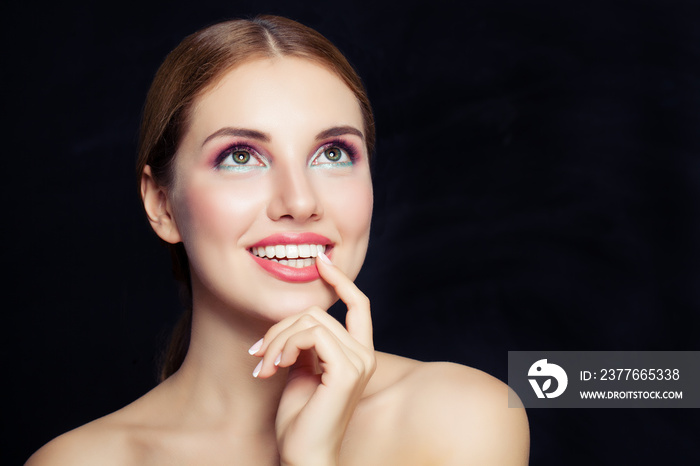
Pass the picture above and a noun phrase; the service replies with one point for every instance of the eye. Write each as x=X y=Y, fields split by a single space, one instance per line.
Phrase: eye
x=333 y=155
x=239 y=159
x=240 y=156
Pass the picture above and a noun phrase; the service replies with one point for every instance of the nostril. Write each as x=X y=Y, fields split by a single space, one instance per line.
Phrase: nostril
x=294 y=197
x=293 y=209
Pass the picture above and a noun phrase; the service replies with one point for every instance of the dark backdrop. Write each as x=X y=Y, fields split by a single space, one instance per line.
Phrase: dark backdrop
x=537 y=186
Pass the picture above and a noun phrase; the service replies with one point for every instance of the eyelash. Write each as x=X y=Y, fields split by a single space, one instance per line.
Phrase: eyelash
x=340 y=144
x=343 y=146
x=239 y=167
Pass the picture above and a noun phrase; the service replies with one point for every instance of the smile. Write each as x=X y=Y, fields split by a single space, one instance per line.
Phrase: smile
x=291 y=257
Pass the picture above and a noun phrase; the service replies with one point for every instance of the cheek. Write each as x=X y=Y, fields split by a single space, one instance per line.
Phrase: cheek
x=215 y=211
x=350 y=205
x=349 y=200
x=354 y=210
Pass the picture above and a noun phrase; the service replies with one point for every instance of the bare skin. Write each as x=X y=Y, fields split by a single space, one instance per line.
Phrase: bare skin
x=321 y=394
x=410 y=413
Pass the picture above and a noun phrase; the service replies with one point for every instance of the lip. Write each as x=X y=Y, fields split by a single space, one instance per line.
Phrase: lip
x=285 y=272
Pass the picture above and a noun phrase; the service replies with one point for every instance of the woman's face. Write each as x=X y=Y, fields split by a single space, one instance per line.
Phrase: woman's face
x=273 y=166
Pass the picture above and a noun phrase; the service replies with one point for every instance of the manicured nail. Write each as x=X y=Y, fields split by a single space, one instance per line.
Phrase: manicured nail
x=256 y=347
x=257 y=369
x=278 y=359
x=324 y=258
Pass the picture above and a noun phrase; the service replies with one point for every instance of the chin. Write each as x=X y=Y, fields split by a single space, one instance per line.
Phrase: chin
x=280 y=305
x=272 y=304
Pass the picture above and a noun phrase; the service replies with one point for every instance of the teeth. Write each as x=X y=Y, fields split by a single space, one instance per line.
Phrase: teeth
x=298 y=263
x=292 y=255
x=292 y=251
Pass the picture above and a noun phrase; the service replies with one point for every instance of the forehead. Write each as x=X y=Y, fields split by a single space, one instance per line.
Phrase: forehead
x=277 y=95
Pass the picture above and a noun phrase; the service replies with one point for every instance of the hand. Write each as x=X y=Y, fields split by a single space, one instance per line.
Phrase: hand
x=330 y=368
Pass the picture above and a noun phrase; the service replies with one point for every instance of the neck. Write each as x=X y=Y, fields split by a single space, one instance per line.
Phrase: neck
x=215 y=385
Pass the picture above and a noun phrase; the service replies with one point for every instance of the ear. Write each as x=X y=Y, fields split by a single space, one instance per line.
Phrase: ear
x=158 y=208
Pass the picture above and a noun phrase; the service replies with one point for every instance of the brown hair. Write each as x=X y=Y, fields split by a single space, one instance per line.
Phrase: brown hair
x=191 y=69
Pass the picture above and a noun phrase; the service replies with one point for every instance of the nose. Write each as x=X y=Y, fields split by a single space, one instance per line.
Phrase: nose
x=294 y=196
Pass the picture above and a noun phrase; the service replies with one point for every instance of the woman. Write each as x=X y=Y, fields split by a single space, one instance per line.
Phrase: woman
x=254 y=167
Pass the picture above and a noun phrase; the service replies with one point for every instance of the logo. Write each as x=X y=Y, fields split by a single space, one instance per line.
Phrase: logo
x=546 y=372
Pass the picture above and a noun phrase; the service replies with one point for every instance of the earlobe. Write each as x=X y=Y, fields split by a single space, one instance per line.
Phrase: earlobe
x=158 y=209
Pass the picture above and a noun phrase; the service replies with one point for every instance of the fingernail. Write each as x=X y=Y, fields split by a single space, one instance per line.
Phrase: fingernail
x=257 y=369
x=278 y=359
x=256 y=347
x=324 y=258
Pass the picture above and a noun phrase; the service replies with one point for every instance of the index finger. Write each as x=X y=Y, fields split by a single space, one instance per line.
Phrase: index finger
x=358 y=320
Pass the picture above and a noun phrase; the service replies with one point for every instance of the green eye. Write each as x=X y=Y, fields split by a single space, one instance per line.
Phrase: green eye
x=333 y=154
x=240 y=156
x=240 y=159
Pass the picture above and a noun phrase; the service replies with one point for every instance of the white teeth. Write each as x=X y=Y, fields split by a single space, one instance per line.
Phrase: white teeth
x=297 y=263
x=292 y=255
x=292 y=251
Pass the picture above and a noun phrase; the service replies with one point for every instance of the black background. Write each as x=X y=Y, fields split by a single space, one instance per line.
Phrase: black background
x=536 y=179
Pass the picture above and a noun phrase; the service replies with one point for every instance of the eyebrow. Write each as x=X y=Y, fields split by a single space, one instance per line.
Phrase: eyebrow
x=264 y=137
x=340 y=131
x=241 y=132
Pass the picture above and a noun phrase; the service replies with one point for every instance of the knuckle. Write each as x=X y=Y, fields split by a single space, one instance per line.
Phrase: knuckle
x=364 y=300
x=307 y=320
x=369 y=361
x=315 y=312
x=371 y=366
x=318 y=331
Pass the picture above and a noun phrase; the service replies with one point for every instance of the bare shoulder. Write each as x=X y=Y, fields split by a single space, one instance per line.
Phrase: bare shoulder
x=98 y=442
x=114 y=439
x=460 y=414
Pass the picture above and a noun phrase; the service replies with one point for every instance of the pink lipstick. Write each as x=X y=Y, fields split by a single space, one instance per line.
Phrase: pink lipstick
x=291 y=256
